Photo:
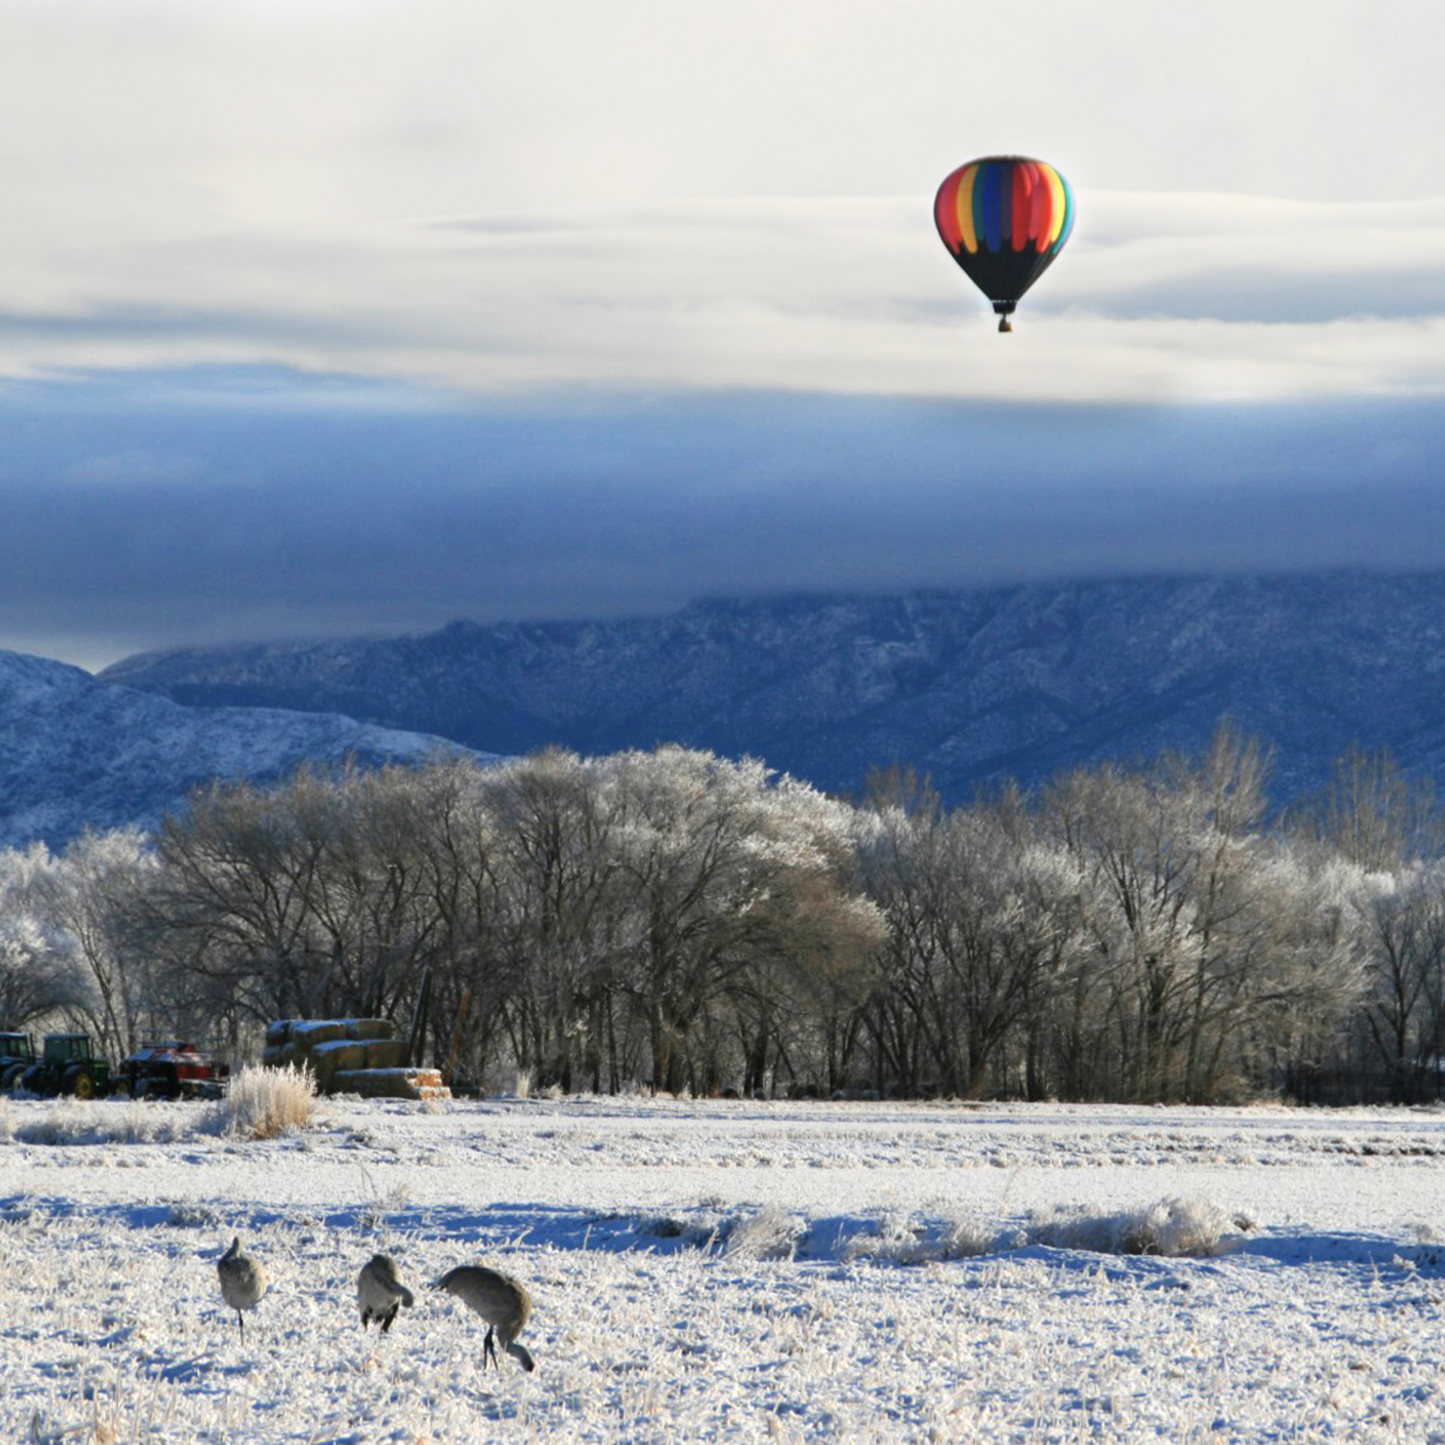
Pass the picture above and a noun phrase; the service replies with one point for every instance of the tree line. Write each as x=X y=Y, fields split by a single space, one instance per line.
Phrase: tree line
x=675 y=920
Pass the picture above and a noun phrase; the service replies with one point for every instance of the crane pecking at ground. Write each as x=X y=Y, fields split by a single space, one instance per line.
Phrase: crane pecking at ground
x=500 y=1300
x=380 y=1292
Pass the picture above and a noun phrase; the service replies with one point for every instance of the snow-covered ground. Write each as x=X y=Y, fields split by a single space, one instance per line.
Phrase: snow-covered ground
x=730 y=1271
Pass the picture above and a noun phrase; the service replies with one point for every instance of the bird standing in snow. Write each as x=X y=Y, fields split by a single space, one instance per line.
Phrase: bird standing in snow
x=380 y=1292
x=243 y=1281
x=500 y=1300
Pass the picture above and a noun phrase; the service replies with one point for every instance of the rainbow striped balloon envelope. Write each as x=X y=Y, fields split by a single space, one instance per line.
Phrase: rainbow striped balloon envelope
x=1004 y=219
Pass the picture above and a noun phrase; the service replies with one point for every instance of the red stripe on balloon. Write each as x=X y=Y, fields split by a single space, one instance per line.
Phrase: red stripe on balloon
x=945 y=211
x=1041 y=208
x=1022 y=190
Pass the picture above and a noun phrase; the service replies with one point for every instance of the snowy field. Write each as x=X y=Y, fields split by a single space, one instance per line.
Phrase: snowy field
x=730 y=1271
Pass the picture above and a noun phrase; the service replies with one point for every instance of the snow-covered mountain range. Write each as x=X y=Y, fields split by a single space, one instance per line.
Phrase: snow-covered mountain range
x=77 y=753
x=966 y=686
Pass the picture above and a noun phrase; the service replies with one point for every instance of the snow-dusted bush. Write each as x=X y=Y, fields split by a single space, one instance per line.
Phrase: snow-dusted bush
x=903 y=1240
x=193 y=1216
x=1172 y=1227
x=966 y=1237
x=72 y=1121
x=1428 y=1251
x=264 y=1102
x=697 y=1229
x=771 y=1233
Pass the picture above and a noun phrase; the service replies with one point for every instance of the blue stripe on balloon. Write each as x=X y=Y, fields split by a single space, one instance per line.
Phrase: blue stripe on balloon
x=991 y=197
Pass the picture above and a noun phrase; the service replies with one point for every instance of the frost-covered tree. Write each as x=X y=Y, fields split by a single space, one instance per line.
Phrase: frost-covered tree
x=454 y=832
x=305 y=900
x=1403 y=1004
x=1143 y=932
x=91 y=897
x=1137 y=852
x=717 y=860
x=981 y=922
x=1373 y=814
x=1304 y=976
x=240 y=879
x=556 y=923
x=1182 y=927
x=38 y=973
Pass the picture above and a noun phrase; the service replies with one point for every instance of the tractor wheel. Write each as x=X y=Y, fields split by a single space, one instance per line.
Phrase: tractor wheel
x=33 y=1079
x=80 y=1084
x=12 y=1078
x=119 y=1089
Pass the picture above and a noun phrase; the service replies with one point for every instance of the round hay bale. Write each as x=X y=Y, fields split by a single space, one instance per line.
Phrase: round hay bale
x=385 y=1053
x=317 y=1031
x=372 y=1028
x=334 y=1057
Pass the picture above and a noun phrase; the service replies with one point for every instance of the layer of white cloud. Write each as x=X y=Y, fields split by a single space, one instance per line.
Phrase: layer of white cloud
x=485 y=196
x=1181 y=297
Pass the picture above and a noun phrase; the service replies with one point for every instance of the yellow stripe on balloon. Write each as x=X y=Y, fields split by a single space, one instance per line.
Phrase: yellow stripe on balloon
x=963 y=201
x=1058 y=203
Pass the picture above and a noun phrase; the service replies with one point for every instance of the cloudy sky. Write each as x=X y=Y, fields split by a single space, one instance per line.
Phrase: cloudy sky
x=333 y=316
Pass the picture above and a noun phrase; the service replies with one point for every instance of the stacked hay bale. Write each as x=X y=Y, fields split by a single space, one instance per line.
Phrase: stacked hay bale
x=351 y=1056
x=393 y=1083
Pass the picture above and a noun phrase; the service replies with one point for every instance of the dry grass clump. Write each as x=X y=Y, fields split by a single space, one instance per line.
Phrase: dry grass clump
x=900 y=1239
x=264 y=1102
x=1429 y=1249
x=1174 y=1228
x=108 y=1121
x=771 y=1233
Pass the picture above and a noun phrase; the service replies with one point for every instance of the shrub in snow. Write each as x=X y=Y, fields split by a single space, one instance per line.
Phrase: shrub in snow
x=771 y=1233
x=662 y=1226
x=703 y=1226
x=965 y=1237
x=897 y=1240
x=1429 y=1250
x=1172 y=1227
x=73 y=1121
x=264 y=1102
x=192 y=1216
x=901 y=1240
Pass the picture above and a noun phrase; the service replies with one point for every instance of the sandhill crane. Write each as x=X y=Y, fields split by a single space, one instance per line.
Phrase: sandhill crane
x=243 y=1281
x=500 y=1300
x=380 y=1292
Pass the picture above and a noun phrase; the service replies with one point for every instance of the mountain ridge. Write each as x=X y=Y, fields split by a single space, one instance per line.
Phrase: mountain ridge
x=77 y=753
x=966 y=685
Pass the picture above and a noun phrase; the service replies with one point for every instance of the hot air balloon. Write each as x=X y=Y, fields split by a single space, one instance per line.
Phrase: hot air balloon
x=1004 y=219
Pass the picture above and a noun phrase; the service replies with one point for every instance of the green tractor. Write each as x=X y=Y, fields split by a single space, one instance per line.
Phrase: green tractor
x=17 y=1053
x=68 y=1066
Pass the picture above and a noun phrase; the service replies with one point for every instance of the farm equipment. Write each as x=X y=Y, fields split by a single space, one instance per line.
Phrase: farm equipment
x=17 y=1053
x=173 y=1070
x=68 y=1066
